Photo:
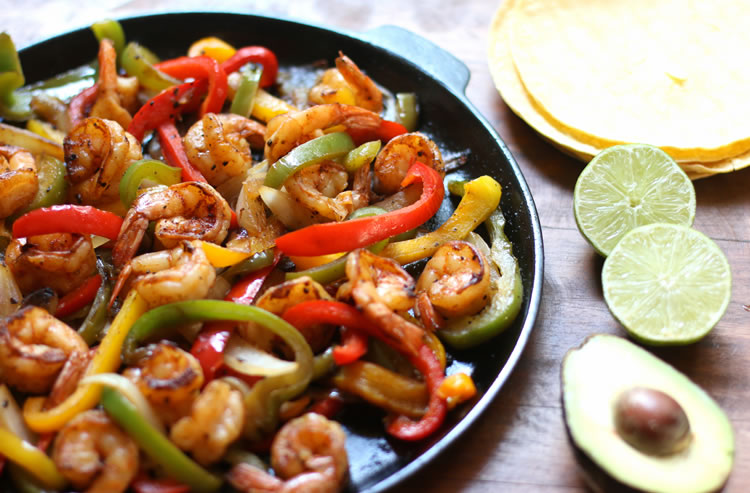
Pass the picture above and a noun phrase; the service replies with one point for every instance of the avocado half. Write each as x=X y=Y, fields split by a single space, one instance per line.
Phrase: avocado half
x=595 y=376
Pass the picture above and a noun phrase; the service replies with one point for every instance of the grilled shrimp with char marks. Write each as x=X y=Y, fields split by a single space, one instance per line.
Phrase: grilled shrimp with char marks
x=34 y=346
x=18 y=179
x=287 y=131
x=186 y=211
x=61 y=261
x=179 y=274
x=95 y=455
x=219 y=145
x=308 y=454
x=169 y=378
x=97 y=154
x=215 y=422
x=394 y=160
x=455 y=282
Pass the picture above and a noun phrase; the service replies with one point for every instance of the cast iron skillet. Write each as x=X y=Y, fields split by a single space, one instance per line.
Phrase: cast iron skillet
x=402 y=62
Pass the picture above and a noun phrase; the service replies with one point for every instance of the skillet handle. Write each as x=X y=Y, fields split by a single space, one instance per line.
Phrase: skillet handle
x=427 y=55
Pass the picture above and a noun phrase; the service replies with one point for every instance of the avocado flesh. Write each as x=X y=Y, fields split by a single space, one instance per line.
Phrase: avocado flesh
x=594 y=375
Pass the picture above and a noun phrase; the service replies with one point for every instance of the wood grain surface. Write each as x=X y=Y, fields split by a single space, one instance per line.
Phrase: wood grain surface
x=519 y=444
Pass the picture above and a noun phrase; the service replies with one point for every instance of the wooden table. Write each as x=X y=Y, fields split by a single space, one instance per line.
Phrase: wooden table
x=519 y=444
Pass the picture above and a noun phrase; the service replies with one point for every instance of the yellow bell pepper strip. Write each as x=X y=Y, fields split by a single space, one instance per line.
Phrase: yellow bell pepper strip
x=383 y=388
x=112 y=30
x=481 y=198
x=268 y=106
x=320 y=239
x=14 y=105
x=456 y=388
x=31 y=459
x=262 y=403
x=406 y=110
x=506 y=289
x=156 y=445
x=138 y=61
x=214 y=47
x=244 y=98
x=34 y=143
x=146 y=170
x=106 y=359
x=45 y=130
x=329 y=146
x=220 y=256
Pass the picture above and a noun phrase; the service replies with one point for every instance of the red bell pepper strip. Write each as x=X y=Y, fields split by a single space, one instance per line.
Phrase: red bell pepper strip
x=404 y=428
x=68 y=218
x=167 y=105
x=81 y=104
x=209 y=347
x=200 y=67
x=79 y=297
x=325 y=238
x=329 y=406
x=145 y=484
x=255 y=54
x=353 y=346
x=386 y=131
x=174 y=152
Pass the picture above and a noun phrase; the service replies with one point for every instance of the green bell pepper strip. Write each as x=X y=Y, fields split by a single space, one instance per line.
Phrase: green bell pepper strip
x=156 y=445
x=406 y=109
x=139 y=62
x=53 y=185
x=252 y=264
x=91 y=327
x=507 y=292
x=328 y=146
x=336 y=269
x=23 y=482
x=112 y=30
x=262 y=403
x=14 y=105
x=362 y=155
x=146 y=169
x=244 y=98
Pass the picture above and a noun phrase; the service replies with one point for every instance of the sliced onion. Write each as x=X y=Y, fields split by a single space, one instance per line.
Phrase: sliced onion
x=34 y=143
x=247 y=359
x=289 y=211
x=11 y=418
x=130 y=391
x=10 y=295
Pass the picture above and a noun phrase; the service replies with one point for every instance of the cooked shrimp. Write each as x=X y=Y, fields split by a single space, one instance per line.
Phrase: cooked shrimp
x=397 y=156
x=186 y=211
x=215 y=422
x=289 y=130
x=97 y=154
x=347 y=84
x=277 y=299
x=115 y=94
x=61 y=261
x=94 y=454
x=67 y=380
x=322 y=189
x=34 y=346
x=456 y=280
x=169 y=378
x=381 y=287
x=260 y=229
x=309 y=453
x=219 y=145
x=18 y=179
x=182 y=273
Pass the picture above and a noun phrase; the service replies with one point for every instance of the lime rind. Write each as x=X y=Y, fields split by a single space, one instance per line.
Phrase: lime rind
x=627 y=186
x=667 y=284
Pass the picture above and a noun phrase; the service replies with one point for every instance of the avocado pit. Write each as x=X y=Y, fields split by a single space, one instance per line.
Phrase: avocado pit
x=651 y=421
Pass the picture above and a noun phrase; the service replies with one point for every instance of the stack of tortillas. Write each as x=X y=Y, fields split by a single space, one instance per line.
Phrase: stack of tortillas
x=589 y=74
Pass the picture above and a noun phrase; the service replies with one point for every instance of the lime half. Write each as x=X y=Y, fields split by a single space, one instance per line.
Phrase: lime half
x=667 y=283
x=627 y=186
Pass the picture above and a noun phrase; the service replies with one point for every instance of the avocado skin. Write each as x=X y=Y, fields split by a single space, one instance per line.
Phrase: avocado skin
x=596 y=478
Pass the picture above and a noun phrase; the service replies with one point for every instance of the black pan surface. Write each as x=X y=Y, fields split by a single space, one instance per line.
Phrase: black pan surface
x=402 y=62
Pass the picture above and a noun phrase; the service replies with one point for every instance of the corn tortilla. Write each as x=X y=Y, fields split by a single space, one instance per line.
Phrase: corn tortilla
x=510 y=87
x=666 y=72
